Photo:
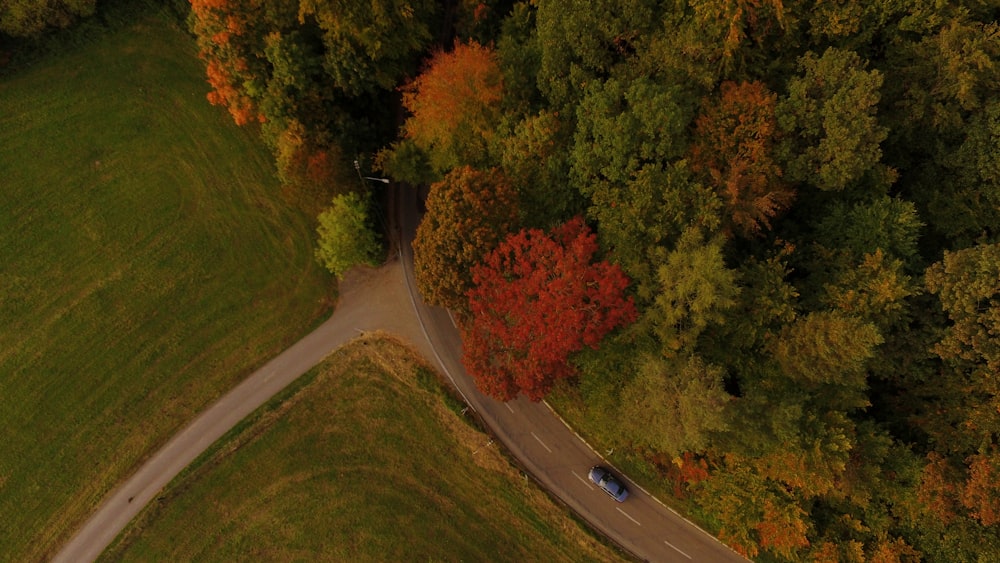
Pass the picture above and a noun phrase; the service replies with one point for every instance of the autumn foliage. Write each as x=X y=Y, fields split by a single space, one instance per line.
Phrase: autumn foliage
x=536 y=299
x=937 y=492
x=468 y=213
x=733 y=148
x=454 y=88
x=453 y=103
x=224 y=46
x=981 y=495
x=783 y=528
x=803 y=195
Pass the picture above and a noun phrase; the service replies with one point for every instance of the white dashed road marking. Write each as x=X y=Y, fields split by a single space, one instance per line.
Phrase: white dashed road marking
x=542 y=443
x=582 y=480
x=629 y=517
x=676 y=549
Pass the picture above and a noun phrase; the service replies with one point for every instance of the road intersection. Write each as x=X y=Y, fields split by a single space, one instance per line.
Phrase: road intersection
x=386 y=299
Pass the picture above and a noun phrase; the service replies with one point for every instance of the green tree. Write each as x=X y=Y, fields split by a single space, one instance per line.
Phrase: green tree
x=404 y=161
x=967 y=283
x=765 y=303
x=534 y=155
x=674 y=405
x=583 y=41
x=519 y=55
x=858 y=26
x=891 y=225
x=370 y=45
x=624 y=125
x=628 y=140
x=696 y=288
x=725 y=31
x=967 y=200
x=943 y=84
x=347 y=237
x=298 y=96
x=828 y=350
x=832 y=134
x=640 y=219
x=862 y=260
x=468 y=214
x=30 y=18
x=794 y=436
x=795 y=409
x=876 y=290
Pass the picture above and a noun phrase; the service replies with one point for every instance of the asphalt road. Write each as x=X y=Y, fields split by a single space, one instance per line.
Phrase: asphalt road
x=555 y=455
x=545 y=447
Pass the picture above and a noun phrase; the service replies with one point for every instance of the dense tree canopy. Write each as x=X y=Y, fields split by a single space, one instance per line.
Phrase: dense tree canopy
x=318 y=76
x=804 y=197
x=28 y=18
x=832 y=135
x=776 y=178
x=674 y=405
x=967 y=282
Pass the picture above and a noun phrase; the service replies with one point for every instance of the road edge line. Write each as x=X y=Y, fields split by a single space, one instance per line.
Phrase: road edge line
x=633 y=483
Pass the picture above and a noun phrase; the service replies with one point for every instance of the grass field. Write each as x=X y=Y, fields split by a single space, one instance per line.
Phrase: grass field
x=363 y=463
x=147 y=263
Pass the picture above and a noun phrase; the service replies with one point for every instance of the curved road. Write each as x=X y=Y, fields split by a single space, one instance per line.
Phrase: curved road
x=371 y=300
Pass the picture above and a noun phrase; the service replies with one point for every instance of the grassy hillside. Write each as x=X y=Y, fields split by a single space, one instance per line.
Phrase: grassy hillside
x=363 y=463
x=148 y=262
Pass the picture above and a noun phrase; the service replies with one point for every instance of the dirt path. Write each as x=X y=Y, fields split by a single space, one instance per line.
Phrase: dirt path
x=370 y=299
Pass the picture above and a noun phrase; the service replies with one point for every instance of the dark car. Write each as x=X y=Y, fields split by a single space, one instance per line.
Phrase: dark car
x=608 y=482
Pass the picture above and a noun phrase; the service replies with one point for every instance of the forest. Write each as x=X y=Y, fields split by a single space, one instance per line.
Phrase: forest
x=761 y=238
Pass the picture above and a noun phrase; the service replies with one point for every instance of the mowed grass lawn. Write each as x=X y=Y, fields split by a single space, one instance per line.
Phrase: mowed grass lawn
x=148 y=262
x=365 y=462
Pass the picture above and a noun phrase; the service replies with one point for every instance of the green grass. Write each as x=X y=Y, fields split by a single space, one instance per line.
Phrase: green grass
x=366 y=462
x=148 y=262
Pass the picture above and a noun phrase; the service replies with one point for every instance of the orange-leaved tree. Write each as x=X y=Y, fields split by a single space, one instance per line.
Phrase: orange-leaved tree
x=981 y=494
x=468 y=214
x=454 y=105
x=733 y=148
x=536 y=299
x=230 y=37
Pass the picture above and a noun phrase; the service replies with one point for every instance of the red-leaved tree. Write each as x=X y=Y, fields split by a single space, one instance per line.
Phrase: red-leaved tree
x=536 y=299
